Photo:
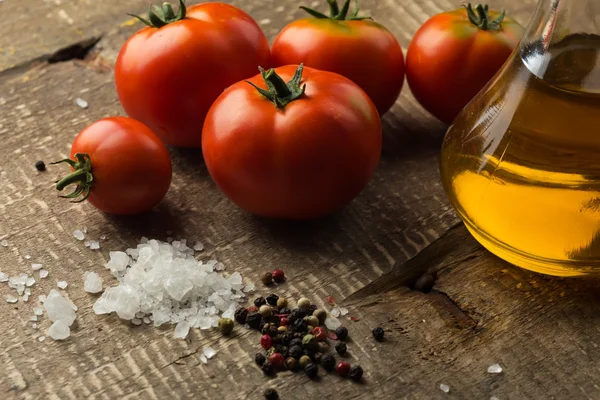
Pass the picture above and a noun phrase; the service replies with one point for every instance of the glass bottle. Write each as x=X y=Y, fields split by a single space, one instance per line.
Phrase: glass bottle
x=521 y=163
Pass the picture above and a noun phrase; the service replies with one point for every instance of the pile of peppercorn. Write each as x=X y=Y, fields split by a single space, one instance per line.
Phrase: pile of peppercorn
x=295 y=339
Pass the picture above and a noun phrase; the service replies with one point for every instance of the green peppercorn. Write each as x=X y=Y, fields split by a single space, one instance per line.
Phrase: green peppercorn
x=260 y=359
x=303 y=303
x=356 y=373
x=266 y=311
x=309 y=342
x=271 y=394
x=323 y=347
x=291 y=363
x=341 y=348
x=267 y=278
x=225 y=326
x=321 y=315
x=311 y=370
x=378 y=334
x=318 y=357
x=282 y=303
x=304 y=361
x=341 y=333
x=312 y=321
x=328 y=362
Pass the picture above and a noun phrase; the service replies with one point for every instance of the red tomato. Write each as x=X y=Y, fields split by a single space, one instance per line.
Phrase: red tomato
x=167 y=77
x=303 y=158
x=120 y=166
x=454 y=54
x=359 y=49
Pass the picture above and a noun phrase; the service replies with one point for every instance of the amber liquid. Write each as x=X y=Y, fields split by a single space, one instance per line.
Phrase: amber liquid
x=521 y=164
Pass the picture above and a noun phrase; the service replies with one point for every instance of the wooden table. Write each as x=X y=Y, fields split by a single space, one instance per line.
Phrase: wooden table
x=543 y=331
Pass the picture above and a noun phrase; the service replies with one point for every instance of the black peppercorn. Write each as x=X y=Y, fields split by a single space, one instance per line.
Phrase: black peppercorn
x=40 y=166
x=341 y=348
x=378 y=334
x=311 y=370
x=318 y=358
x=267 y=368
x=273 y=319
x=296 y=342
x=271 y=394
x=279 y=348
x=286 y=338
x=285 y=311
x=356 y=373
x=300 y=325
x=272 y=299
x=260 y=359
x=311 y=309
x=309 y=353
x=261 y=325
x=254 y=320
x=328 y=362
x=240 y=315
x=425 y=283
x=341 y=333
x=296 y=352
x=269 y=329
x=259 y=301
x=298 y=335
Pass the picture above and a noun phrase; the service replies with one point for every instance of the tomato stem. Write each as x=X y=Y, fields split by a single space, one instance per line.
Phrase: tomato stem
x=164 y=15
x=480 y=17
x=335 y=13
x=278 y=91
x=82 y=176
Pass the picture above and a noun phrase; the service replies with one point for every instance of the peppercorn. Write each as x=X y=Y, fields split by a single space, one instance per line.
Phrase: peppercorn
x=266 y=342
x=303 y=303
x=253 y=320
x=291 y=363
x=261 y=324
x=278 y=276
x=311 y=370
x=277 y=360
x=299 y=335
x=309 y=353
x=318 y=357
x=259 y=358
x=311 y=309
x=279 y=348
x=274 y=319
x=283 y=321
x=341 y=333
x=282 y=329
x=312 y=321
x=328 y=362
x=296 y=352
x=267 y=368
x=425 y=283
x=378 y=334
x=259 y=301
x=319 y=333
x=285 y=311
x=285 y=338
x=271 y=351
x=310 y=328
x=356 y=373
x=341 y=348
x=300 y=325
x=267 y=278
x=240 y=315
x=309 y=342
x=40 y=166
x=252 y=309
x=282 y=303
x=343 y=369
x=304 y=361
x=269 y=329
x=296 y=342
x=225 y=326
x=323 y=347
x=271 y=394
x=321 y=315
x=272 y=299
x=265 y=311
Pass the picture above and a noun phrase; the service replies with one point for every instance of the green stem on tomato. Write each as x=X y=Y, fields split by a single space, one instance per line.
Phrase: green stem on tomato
x=480 y=17
x=279 y=92
x=164 y=15
x=337 y=13
x=81 y=176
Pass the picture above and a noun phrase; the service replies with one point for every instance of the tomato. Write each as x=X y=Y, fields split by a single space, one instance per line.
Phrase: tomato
x=291 y=151
x=120 y=166
x=168 y=74
x=454 y=54
x=352 y=46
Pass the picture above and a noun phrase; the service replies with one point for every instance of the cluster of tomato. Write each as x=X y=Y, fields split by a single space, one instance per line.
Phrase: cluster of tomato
x=298 y=141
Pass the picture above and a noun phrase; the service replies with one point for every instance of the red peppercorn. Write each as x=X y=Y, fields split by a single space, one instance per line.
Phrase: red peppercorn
x=252 y=309
x=319 y=333
x=266 y=342
x=343 y=369
x=277 y=360
x=283 y=321
x=278 y=276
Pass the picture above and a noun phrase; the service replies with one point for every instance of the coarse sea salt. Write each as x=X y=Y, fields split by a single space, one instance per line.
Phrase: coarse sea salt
x=494 y=369
x=36 y=266
x=92 y=282
x=61 y=311
x=94 y=245
x=43 y=273
x=79 y=235
x=3 y=277
x=444 y=388
x=164 y=283
x=11 y=299
x=4 y=243
x=209 y=352
x=62 y=284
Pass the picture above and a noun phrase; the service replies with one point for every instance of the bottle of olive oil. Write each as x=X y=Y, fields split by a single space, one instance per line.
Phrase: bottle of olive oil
x=521 y=163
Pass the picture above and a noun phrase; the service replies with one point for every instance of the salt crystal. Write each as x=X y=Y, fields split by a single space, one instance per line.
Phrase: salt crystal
x=94 y=245
x=182 y=329
x=251 y=287
x=139 y=314
x=20 y=289
x=36 y=267
x=4 y=243
x=34 y=325
x=118 y=261
x=62 y=284
x=494 y=369
x=445 y=388
x=203 y=359
x=146 y=320
x=30 y=281
x=38 y=311
x=87 y=243
x=41 y=299
x=79 y=235
x=3 y=277
x=136 y=321
x=343 y=311
x=33 y=318
x=92 y=283
x=122 y=299
x=43 y=273
x=81 y=103
x=28 y=291
x=209 y=352
x=60 y=330
x=11 y=299
x=59 y=308
x=199 y=247
x=103 y=237
x=335 y=312
x=26 y=298
x=332 y=323
x=42 y=338
x=85 y=229
x=27 y=257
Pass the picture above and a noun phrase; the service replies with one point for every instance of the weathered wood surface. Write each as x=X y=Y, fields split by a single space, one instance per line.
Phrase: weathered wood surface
x=482 y=311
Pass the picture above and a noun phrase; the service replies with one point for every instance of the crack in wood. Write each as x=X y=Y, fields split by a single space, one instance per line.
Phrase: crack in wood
x=450 y=310
x=78 y=50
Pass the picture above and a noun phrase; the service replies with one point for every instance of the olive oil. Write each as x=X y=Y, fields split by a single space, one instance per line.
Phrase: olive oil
x=521 y=164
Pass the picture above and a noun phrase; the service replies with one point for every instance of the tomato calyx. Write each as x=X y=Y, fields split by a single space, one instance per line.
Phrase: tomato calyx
x=82 y=176
x=337 y=14
x=279 y=92
x=480 y=17
x=164 y=15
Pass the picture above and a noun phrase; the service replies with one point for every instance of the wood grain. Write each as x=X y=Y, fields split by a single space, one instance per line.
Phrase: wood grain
x=481 y=311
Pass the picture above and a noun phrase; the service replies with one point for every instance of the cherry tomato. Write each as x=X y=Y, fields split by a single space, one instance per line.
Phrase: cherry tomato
x=350 y=45
x=169 y=73
x=294 y=150
x=120 y=166
x=454 y=54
